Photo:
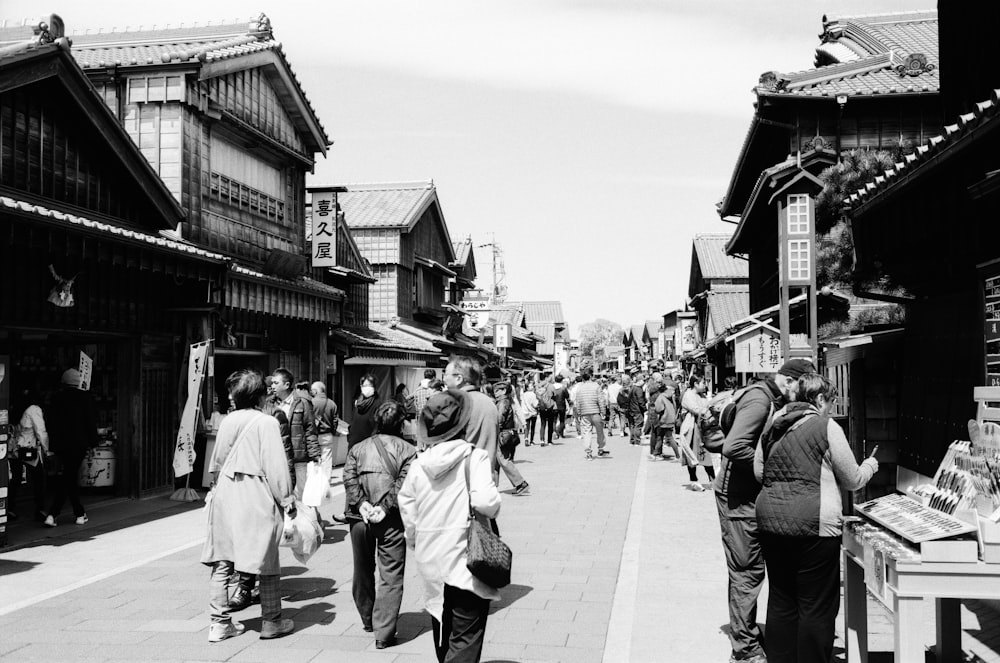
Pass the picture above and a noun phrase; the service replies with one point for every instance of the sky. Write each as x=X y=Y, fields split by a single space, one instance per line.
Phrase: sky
x=589 y=139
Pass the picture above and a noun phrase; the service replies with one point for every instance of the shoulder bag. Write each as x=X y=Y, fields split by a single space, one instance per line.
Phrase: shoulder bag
x=488 y=558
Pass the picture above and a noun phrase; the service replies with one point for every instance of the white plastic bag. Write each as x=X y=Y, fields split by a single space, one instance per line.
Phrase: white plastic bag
x=317 y=483
x=302 y=534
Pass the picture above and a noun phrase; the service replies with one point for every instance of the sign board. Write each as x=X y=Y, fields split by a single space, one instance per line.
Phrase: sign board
x=687 y=335
x=324 y=229
x=184 y=454
x=86 y=372
x=759 y=353
x=502 y=335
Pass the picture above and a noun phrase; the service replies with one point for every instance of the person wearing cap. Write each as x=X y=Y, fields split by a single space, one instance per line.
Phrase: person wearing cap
x=449 y=475
x=72 y=432
x=736 y=491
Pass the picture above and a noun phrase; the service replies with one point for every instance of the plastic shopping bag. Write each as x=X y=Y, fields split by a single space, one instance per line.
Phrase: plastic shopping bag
x=317 y=483
x=302 y=534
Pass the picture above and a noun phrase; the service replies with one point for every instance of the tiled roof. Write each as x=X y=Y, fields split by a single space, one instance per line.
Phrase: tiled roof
x=728 y=304
x=637 y=333
x=535 y=312
x=547 y=331
x=925 y=156
x=117 y=231
x=161 y=45
x=710 y=250
x=867 y=54
x=303 y=282
x=653 y=328
x=501 y=314
x=393 y=205
x=463 y=250
x=381 y=336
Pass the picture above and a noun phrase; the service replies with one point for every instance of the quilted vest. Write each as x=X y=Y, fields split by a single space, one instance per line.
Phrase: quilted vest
x=790 y=498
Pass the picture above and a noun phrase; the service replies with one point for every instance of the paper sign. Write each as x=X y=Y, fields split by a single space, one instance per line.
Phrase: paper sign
x=86 y=371
x=324 y=229
x=184 y=453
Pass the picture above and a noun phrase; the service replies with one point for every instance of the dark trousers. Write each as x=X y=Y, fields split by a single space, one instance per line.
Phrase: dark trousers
x=560 y=423
x=66 y=485
x=547 y=418
x=803 y=597
x=746 y=575
x=458 y=637
x=655 y=441
x=385 y=539
x=36 y=477
x=666 y=434
x=529 y=430
x=635 y=427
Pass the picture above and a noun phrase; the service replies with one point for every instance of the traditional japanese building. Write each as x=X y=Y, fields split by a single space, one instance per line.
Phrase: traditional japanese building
x=546 y=320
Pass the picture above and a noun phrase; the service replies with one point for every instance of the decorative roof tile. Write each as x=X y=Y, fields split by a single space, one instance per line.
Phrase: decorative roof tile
x=389 y=205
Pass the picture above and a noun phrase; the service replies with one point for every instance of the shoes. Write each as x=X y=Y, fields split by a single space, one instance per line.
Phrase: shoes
x=82 y=520
x=382 y=644
x=367 y=628
x=221 y=631
x=49 y=521
x=240 y=600
x=544 y=444
x=338 y=518
x=521 y=489
x=698 y=488
x=603 y=452
x=270 y=630
x=590 y=455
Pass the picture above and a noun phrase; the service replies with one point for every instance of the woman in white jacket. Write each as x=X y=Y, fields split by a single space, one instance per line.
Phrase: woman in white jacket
x=434 y=503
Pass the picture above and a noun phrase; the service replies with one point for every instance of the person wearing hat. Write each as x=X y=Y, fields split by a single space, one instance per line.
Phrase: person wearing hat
x=72 y=432
x=448 y=475
x=736 y=491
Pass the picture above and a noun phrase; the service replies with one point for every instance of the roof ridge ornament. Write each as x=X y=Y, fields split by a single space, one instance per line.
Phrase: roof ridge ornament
x=50 y=31
x=262 y=29
x=772 y=81
x=914 y=64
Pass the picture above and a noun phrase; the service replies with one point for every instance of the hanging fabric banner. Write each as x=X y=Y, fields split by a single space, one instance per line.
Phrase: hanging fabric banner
x=184 y=454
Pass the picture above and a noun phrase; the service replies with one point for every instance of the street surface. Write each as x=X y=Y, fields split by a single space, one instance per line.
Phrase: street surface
x=614 y=560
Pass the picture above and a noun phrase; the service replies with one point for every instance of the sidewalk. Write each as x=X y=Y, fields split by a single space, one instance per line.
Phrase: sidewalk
x=614 y=561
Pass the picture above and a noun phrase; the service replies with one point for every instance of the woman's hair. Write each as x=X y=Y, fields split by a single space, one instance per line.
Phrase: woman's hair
x=246 y=387
x=400 y=389
x=695 y=379
x=810 y=385
x=369 y=378
x=436 y=385
x=304 y=386
x=389 y=418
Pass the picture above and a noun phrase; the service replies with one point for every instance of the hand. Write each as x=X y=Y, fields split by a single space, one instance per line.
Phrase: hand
x=871 y=462
x=291 y=511
x=365 y=510
x=377 y=515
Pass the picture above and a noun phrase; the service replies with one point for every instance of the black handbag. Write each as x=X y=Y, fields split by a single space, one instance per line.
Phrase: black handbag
x=488 y=558
x=27 y=454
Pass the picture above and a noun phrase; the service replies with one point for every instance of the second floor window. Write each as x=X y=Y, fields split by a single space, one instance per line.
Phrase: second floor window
x=798 y=214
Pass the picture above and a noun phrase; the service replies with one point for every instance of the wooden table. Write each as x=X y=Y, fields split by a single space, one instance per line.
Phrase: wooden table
x=908 y=584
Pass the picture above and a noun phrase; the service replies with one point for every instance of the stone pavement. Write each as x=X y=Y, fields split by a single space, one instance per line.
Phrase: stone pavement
x=615 y=560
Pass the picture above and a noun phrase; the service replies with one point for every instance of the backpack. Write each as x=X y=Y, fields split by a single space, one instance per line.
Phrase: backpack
x=622 y=398
x=545 y=401
x=727 y=411
x=713 y=431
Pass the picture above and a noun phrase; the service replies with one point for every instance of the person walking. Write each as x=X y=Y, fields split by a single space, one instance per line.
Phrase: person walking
x=251 y=493
x=635 y=408
x=301 y=427
x=28 y=453
x=546 y=410
x=561 y=397
x=508 y=440
x=424 y=391
x=325 y=411
x=617 y=416
x=804 y=463
x=589 y=402
x=366 y=401
x=529 y=410
x=72 y=429
x=373 y=474
x=694 y=404
x=736 y=491
x=665 y=417
x=432 y=502
x=466 y=374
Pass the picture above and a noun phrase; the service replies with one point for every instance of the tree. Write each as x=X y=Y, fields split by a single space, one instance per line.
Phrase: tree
x=596 y=336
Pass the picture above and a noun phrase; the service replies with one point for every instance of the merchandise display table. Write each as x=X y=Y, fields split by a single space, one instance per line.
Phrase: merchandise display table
x=906 y=584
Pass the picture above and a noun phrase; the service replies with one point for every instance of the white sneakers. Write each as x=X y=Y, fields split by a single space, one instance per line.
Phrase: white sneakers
x=219 y=631
x=696 y=487
x=82 y=520
x=50 y=520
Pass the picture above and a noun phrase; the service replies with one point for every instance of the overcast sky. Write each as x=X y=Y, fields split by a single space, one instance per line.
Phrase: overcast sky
x=590 y=138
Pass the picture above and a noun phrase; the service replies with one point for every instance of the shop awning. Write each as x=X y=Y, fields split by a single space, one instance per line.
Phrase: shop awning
x=301 y=299
x=457 y=343
x=384 y=345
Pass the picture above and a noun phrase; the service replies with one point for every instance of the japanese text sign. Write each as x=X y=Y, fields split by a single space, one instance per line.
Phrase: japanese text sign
x=760 y=353
x=324 y=229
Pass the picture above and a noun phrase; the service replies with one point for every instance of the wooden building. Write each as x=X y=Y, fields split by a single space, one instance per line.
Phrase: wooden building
x=89 y=260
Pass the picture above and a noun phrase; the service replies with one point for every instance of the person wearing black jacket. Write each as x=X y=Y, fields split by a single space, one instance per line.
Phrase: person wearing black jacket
x=507 y=440
x=72 y=427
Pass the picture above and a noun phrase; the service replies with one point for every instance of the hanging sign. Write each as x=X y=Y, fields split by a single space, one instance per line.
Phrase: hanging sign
x=184 y=453
x=324 y=229
x=760 y=353
x=502 y=335
x=86 y=371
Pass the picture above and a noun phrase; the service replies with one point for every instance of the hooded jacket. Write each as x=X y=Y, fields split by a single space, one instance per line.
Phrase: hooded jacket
x=434 y=504
x=804 y=462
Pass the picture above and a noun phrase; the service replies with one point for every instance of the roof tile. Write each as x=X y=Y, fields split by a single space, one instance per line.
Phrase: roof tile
x=710 y=250
x=385 y=205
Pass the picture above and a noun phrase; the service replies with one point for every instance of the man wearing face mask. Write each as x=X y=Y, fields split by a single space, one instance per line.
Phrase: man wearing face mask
x=736 y=491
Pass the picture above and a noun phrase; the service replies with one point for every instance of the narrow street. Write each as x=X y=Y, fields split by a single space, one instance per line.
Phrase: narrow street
x=615 y=560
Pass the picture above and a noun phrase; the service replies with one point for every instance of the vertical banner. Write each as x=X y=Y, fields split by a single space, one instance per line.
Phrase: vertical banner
x=502 y=335
x=324 y=229
x=184 y=449
x=86 y=371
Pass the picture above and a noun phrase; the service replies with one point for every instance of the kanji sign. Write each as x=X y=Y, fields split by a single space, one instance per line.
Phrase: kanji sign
x=502 y=335
x=324 y=229
x=760 y=353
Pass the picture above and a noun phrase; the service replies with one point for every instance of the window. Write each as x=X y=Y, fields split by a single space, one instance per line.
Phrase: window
x=798 y=260
x=798 y=214
x=156 y=129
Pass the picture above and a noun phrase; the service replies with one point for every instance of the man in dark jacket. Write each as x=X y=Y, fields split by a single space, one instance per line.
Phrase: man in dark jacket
x=326 y=423
x=301 y=426
x=635 y=409
x=736 y=491
x=72 y=427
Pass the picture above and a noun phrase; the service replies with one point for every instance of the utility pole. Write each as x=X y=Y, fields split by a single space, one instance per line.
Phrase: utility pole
x=498 y=292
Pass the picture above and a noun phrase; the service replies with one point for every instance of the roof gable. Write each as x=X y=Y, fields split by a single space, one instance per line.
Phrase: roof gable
x=709 y=260
x=465 y=260
x=542 y=312
x=106 y=144
x=386 y=205
x=211 y=49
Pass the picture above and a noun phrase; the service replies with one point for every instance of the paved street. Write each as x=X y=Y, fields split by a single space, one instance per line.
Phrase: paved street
x=615 y=560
